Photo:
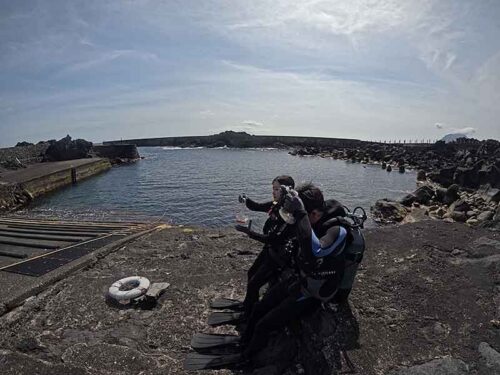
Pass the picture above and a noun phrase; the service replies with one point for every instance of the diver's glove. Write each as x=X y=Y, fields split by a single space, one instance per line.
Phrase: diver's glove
x=242 y=198
x=244 y=228
x=292 y=203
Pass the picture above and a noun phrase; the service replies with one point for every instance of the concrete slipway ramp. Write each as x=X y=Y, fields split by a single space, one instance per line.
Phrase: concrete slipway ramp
x=36 y=253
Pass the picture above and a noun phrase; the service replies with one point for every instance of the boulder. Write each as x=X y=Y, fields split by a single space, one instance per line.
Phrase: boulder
x=444 y=176
x=489 y=174
x=485 y=216
x=408 y=200
x=389 y=168
x=467 y=177
x=458 y=216
x=489 y=194
x=490 y=360
x=424 y=194
x=451 y=194
x=67 y=149
x=459 y=205
x=388 y=211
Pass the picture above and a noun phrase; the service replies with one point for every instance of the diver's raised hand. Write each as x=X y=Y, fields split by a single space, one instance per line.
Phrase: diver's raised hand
x=292 y=202
x=244 y=228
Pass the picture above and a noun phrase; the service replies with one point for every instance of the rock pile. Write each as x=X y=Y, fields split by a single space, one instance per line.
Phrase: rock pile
x=480 y=207
x=468 y=163
x=12 y=197
x=67 y=149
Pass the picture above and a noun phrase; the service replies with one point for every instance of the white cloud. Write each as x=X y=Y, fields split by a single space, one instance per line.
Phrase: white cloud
x=253 y=124
x=467 y=130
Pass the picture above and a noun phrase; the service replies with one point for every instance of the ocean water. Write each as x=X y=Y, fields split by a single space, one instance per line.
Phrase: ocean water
x=201 y=186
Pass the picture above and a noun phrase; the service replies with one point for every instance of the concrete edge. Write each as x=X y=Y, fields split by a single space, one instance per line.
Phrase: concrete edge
x=64 y=169
x=66 y=270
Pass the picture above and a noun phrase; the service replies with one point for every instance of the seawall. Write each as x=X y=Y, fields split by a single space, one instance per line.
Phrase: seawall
x=239 y=140
x=117 y=151
x=20 y=186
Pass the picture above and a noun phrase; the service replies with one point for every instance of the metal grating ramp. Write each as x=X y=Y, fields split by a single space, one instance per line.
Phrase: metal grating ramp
x=47 y=245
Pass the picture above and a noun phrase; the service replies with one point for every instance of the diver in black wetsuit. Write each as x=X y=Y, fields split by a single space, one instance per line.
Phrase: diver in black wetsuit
x=274 y=256
x=319 y=261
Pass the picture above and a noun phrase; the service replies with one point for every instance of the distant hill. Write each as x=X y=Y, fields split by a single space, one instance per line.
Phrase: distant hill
x=453 y=137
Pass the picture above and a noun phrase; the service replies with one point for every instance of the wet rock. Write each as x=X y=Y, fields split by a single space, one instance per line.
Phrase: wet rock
x=386 y=210
x=444 y=366
x=389 y=168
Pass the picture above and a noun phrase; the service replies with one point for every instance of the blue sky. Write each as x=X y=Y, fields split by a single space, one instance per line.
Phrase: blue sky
x=388 y=69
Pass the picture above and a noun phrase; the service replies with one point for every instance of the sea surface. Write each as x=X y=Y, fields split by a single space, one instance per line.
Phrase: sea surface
x=201 y=186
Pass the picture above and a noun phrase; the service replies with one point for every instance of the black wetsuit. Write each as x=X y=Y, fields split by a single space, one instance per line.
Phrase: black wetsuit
x=319 y=272
x=275 y=254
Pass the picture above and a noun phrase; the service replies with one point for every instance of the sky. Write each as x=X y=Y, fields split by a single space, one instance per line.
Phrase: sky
x=362 y=69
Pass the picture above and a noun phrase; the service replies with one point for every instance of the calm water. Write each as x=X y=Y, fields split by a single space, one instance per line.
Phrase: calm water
x=201 y=186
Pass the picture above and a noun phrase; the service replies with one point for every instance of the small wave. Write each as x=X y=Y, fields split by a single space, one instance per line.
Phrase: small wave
x=173 y=148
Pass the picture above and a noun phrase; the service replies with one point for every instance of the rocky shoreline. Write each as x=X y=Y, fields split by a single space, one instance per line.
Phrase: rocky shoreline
x=460 y=181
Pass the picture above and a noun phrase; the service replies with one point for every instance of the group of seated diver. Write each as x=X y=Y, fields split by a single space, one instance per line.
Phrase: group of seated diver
x=310 y=256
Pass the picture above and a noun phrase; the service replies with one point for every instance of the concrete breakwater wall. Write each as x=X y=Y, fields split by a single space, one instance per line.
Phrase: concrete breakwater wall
x=240 y=140
x=18 y=188
x=67 y=175
x=118 y=151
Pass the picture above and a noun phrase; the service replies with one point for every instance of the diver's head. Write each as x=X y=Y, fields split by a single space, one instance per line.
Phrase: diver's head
x=313 y=200
x=280 y=181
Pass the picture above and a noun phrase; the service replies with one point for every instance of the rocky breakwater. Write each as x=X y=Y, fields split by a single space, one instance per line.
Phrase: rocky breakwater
x=468 y=163
x=430 y=201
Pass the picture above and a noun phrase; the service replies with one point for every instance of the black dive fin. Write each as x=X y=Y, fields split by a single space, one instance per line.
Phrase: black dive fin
x=225 y=317
x=197 y=361
x=227 y=303
x=205 y=342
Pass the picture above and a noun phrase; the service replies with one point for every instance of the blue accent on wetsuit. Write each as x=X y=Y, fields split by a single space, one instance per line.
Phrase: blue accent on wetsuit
x=320 y=252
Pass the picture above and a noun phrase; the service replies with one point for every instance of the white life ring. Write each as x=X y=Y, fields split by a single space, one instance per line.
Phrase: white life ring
x=140 y=286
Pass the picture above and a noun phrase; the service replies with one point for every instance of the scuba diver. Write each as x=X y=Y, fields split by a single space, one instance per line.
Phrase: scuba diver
x=328 y=240
x=273 y=257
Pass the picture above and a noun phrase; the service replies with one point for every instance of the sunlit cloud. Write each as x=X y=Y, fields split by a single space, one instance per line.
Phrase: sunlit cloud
x=350 y=68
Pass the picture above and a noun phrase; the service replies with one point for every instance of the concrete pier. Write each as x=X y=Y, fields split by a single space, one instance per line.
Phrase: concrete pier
x=38 y=179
